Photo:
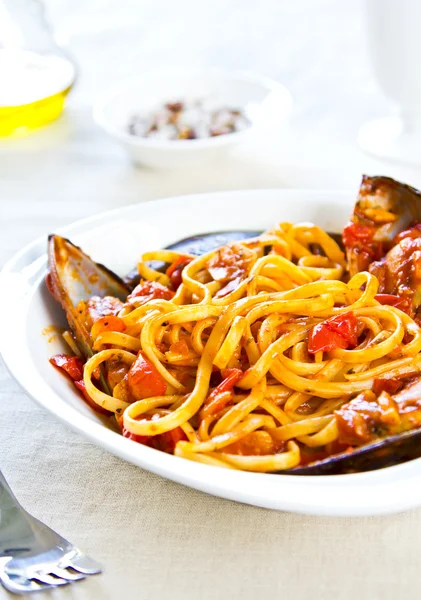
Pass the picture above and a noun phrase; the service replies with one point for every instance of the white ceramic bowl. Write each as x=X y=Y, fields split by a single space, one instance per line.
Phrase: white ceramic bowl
x=116 y=239
x=264 y=101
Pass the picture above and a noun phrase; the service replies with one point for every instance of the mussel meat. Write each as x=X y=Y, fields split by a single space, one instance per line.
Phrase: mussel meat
x=384 y=237
x=196 y=245
x=384 y=208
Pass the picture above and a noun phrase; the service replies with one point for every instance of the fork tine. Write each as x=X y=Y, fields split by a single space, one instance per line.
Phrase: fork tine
x=49 y=579
x=49 y=560
x=84 y=564
x=65 y=574
x=20 y=585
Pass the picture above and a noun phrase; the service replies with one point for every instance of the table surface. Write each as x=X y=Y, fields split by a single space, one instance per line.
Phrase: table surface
x=155 y=537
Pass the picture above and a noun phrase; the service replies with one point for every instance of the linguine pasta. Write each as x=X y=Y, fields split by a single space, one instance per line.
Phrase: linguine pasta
x=261 y=355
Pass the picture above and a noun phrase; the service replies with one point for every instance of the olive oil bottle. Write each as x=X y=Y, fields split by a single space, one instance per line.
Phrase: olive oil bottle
x=35 y=74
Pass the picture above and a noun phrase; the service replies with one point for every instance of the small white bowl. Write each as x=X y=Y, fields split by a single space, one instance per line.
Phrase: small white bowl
x=264 y=101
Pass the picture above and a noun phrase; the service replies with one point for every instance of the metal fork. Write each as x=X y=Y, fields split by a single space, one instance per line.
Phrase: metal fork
x=33 y=557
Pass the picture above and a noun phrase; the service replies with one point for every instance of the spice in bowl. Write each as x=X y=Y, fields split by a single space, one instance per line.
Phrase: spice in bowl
x=188 y=121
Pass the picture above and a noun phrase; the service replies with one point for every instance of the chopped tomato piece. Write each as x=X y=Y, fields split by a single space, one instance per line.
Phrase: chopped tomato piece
x=338 y=332
x=360 y=238
x=324 y=339
x=174 y=271
x=345 y=325
x=149 y=290
x=143 y=379
x=215 y=403
x=355 y=232
x=109 y=323
x=165 y=442
x=255 y=443
x=180 y=348
x=72 y=365
x=140 y=439
x=222 y=395
x=81 y=387
x=180 y=351
x=231 y=377
x=403 y=304
x=391 y=386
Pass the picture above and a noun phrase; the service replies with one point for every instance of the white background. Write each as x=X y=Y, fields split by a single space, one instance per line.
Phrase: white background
x=317 y=48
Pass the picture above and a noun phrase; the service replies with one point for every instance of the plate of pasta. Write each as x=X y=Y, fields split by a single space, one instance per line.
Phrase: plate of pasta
x=262 y=346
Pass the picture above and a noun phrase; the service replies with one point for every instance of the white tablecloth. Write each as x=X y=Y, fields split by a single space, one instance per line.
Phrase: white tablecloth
x=157 y=539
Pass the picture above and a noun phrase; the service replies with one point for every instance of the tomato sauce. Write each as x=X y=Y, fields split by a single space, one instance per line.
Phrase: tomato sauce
x=338 y=332
x=149 y=290
x=144 y=380
x=175 y=271
x=366 y=418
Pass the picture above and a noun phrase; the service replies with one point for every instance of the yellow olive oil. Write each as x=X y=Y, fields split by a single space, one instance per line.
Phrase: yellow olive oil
x=33 y=90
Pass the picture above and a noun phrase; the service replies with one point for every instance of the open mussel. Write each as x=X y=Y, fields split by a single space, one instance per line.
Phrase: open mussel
x=75 y=277
x=384 y=208
x=383 y=237
x=391 y=444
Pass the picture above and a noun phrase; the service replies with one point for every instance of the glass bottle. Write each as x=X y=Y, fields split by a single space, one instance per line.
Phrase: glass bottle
x=35 y=73
x=394 y=44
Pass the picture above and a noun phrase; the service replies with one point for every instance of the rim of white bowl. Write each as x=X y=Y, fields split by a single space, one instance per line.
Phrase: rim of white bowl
x=378 y=492
x=107 y=98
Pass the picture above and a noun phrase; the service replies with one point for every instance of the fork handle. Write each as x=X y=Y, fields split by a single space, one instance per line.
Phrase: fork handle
x=14 y=523
x=7 y=498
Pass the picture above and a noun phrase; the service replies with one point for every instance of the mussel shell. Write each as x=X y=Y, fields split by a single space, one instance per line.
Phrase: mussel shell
x=337 y=237
x=383 y=453
x=74 y=276
x=404 y=201
x=196 y=245
x=205 y=242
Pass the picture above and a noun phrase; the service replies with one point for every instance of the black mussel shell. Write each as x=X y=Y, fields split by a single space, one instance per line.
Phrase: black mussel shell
x=196 y=245
x=387 y=452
